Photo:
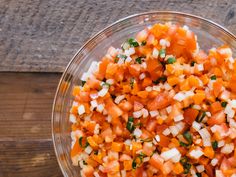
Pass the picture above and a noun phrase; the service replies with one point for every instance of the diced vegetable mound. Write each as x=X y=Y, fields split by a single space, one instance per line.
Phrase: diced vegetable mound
x=157 y=106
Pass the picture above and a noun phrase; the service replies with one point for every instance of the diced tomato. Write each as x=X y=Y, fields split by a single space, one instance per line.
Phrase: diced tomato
x=161 y=101
x=217 y=118
x=190 y=115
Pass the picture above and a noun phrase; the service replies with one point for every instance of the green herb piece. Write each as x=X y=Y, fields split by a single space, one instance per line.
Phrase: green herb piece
x=83 y=82
x=83 y=142
x=162 y=53
x=138 y=160
x=183 y=144
x=186 y=165
x=132 y=42
x=213 y=77
x=201 y=116
x=199 y=174
x=85 y=163
x=143 y=43
x=139 y=60
x=192 y=63
x=132 y=83
x=130 y=124
x=187 y=135
x=121 y=56
x=106 y=85
x=171 y=60
x=146 y=140
x=214 y=145
x=224 y=104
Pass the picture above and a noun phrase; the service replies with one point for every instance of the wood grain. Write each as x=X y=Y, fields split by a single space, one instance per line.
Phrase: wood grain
x=25 y=124
x=42 y=35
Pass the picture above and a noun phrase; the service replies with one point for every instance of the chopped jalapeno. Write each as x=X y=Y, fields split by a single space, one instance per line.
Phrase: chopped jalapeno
x=171 y=60
x=201 y=116
x=199 y=174
x=130 y=124
x=132 y=42
x=139 y=60
x=214 y=145
x=213 y=77
x=143 y=43
x=186 y=165
x=83 y=82
x=162 y=53
x=187 y=135
x=132 y=83
x=83 y=142
x=138 y=160
x=183 y=144
x=192 y=63
x=224 y=104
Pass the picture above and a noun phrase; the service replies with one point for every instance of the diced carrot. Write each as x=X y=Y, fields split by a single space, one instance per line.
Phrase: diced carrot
x=172 y=80
x=199 y=97
x=156 y=161
x=113 y=109
x=135 y=69
x=127 y=165
x=193 y=81
x=215 y=107
x=76 y=149
x=204 y=79
x=185 y=85
x=178 y=168
x=117 y=146
x=76 y=90
x=136 y=146
x=142 y=94
x=217 y=86
x=92 y=142
x=190 y=115
x=209 y=152
x=217 y=118
x=146 y=82
x=161 y=101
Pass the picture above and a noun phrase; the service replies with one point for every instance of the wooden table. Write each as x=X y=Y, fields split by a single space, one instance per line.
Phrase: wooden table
x=37 y=40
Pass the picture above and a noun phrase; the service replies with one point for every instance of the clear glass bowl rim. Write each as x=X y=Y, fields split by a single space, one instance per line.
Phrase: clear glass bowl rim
x=226 y=31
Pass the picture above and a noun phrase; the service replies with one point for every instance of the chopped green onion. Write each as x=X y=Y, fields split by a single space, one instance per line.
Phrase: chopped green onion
x=130 y=124
x=132 y=42
x=201 y=116
x=192 y=63
x=223 y=104
x=162 y=53
x=213 y=77
x=82 y=144
x=139 y=60
x=187 y=135
x=132 y=83
x=143 y=43
x=214 y=145
x=83 y=82
x=171 y=60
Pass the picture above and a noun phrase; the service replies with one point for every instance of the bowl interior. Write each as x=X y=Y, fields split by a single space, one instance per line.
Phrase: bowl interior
x=209 y=35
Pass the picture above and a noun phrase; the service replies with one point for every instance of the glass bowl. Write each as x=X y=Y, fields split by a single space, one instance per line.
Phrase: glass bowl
x=209 y=35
